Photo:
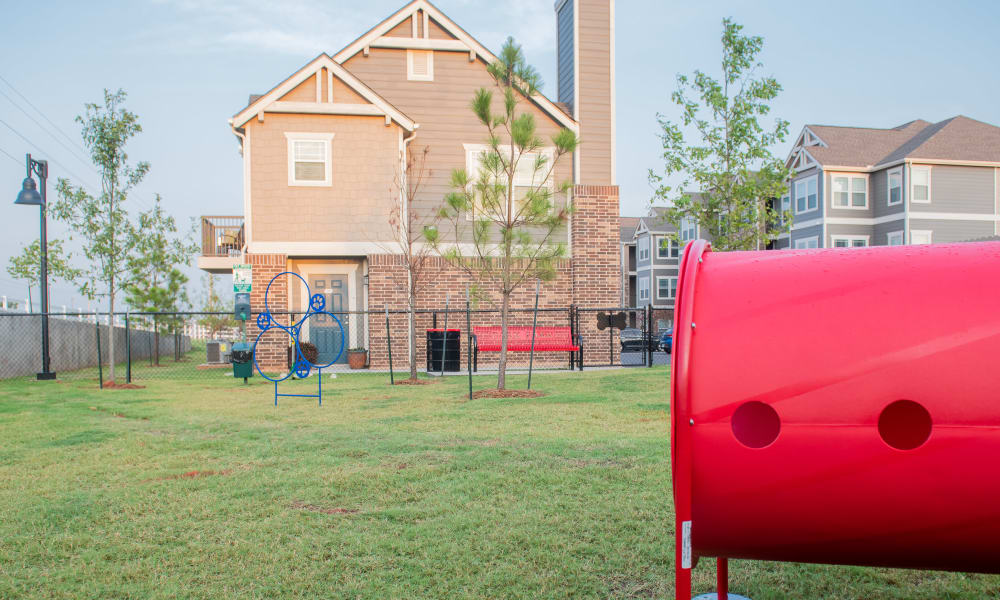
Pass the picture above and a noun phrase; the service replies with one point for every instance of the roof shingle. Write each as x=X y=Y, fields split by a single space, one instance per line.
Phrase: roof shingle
x=957 y=138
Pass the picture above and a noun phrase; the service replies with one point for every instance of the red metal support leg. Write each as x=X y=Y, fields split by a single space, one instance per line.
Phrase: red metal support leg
x=682 y=566
x=722 y=577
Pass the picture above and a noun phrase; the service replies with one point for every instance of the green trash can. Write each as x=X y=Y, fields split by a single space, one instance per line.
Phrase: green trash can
x=242 y=358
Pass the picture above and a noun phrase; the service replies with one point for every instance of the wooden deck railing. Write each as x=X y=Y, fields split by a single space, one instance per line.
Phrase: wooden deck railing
x=221 y=236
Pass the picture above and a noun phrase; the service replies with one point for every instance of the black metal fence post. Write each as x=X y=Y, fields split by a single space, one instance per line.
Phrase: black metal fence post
x=468 y=327
x=444 y=338
x=100 y=367
x=649 y=328
x=128 y=351
x=388 y=343
x=534 y=324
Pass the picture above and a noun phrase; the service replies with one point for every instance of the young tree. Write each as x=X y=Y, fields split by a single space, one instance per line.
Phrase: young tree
x=507 y=207
x=407 y=226
x=102 y=222
x=212 y=303
x=27 y=265
x=156 y=282
x=729 y=158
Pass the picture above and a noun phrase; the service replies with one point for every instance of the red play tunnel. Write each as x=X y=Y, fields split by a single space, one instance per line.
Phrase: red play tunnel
x=838 y=406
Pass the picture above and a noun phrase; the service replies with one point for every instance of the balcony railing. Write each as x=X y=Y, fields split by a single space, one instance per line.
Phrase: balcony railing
x=221 y=236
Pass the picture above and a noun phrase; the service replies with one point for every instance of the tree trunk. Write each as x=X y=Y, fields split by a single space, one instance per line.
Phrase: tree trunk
x=30 y=309
x=156 y=342
x=111 y=330
x=502 y=375
x=413 y=338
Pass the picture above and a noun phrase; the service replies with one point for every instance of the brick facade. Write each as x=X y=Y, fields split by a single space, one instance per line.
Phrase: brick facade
x=589 y=279
x=273 y=347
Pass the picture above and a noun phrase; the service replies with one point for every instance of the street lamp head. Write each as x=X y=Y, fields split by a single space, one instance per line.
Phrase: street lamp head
x=29 y=193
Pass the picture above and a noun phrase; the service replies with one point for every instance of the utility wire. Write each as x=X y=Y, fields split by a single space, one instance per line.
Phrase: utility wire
x=36 y=147
x=75 y=155
x=11 y=86
x=144 y=203
x=11 y=156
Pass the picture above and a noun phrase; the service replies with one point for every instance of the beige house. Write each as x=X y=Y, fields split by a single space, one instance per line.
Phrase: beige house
x=325 y=149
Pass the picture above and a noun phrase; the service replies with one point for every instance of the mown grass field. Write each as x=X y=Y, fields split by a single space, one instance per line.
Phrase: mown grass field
x=202 y=488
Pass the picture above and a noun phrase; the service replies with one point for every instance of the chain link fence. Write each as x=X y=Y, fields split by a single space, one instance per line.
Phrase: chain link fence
x=188 y=345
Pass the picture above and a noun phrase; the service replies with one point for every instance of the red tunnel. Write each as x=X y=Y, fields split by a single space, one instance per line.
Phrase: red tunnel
x=838 y=406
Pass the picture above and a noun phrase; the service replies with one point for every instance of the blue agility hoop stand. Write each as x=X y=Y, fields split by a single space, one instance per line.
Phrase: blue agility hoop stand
x=302 y=366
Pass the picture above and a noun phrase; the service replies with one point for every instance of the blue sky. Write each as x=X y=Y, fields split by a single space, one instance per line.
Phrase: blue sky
x=189 y=65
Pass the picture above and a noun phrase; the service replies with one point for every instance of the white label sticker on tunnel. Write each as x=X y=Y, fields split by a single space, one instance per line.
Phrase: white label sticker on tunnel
x=686 y=545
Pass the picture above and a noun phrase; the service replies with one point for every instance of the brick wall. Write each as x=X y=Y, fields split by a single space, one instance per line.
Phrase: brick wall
x=596 y=258
x=590 y=279
x=273 y=347
x=386 y=286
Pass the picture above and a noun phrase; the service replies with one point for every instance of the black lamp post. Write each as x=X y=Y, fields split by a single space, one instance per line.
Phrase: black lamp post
x=30 y=196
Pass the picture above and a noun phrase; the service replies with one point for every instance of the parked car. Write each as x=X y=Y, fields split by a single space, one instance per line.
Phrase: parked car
x=632 y=340
x=667 y=341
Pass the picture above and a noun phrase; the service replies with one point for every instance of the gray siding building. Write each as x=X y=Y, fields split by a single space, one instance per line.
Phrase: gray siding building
x=657 y=247
x=917 y=183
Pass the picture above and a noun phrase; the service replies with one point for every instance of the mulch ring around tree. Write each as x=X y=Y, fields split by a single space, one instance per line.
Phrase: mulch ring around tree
x=495 y=393
x=415 y=381
x=122 y=386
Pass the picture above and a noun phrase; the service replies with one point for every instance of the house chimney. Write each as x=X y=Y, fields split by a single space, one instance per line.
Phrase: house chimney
x=586 y=82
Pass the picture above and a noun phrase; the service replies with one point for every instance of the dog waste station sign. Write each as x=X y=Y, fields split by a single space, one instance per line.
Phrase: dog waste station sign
x=242 y=276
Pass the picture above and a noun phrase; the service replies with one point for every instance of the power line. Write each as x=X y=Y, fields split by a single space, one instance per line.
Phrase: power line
x=36 y=147
x=144 y=203
x=11 y=156
x=52 y=135
x=11 y=86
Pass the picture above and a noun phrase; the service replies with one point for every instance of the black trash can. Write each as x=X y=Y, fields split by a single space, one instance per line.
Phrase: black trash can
x=446 y=345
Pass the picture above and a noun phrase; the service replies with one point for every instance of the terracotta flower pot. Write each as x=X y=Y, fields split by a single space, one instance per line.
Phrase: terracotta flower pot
x=357 y=359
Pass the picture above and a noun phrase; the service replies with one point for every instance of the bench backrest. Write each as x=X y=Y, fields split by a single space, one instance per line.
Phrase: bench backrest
x=520 y=335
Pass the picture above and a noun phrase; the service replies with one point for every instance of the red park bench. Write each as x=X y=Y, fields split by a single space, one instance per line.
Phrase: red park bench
x=547 y=339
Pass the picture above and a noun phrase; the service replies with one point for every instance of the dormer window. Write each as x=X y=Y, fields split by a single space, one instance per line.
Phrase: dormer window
x=420 y=65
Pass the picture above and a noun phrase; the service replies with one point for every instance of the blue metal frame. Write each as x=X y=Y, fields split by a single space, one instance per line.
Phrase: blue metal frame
x=302 y=366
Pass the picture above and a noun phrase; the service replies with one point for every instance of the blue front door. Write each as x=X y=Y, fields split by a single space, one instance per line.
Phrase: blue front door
x=323 y=331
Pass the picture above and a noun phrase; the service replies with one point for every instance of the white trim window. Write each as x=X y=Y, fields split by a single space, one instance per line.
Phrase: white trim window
x=643 y=288
x=420 y=65
x=643 y=246
x=666 y=288
x=806 y=195
x=850 y=241
x=663 y=247
x=526 y=176
x=848 y=191
x=807 y=243
x=894 y=238
x=894 y=190
x=921 y=236
x=309 y=159
x=689 y=229
x=920 y=184
x=784 y=206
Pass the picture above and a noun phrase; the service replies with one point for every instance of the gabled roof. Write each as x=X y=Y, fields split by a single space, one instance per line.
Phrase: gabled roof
x=626 y=228
x=957 y=139
x=379 y=105
x=465 y=42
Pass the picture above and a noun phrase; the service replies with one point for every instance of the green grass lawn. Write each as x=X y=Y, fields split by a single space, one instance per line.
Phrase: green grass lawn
x=202 y=488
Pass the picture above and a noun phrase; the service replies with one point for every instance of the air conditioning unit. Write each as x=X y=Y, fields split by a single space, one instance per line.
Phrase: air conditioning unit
x=213 y=351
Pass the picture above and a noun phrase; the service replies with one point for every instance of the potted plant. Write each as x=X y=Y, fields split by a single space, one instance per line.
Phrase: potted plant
x=357 y=358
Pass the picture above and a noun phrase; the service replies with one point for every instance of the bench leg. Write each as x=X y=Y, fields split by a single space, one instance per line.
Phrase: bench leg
x=581 y=357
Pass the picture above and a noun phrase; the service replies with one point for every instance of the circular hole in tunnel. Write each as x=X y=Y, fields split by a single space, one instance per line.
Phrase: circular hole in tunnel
x=904 y=425
x=756 y=424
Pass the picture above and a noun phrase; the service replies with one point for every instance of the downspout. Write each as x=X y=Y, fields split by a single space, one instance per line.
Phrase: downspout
x=245 y=153
x=409 y=276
